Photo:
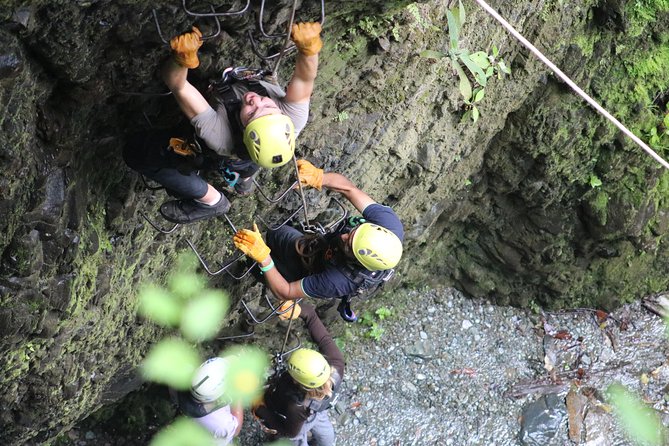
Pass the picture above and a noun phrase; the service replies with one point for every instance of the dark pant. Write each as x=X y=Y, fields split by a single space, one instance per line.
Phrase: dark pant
x=285 y=256
x=148 y=154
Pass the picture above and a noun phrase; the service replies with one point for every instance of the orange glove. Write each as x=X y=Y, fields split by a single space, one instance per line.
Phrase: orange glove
x=307 y=37
x=185 y=48
x=251 y=243
x=309 y=174
x=287 y=309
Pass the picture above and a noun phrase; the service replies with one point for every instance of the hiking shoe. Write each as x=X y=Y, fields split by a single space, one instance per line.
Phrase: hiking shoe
x=189 y=211
x=345 y=311
x=245 y=186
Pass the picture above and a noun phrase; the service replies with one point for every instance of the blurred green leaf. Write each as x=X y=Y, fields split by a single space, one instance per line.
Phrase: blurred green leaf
x=431 y=54
x=159 y=306
x=172 y=362
x=186 y=284
x=475 y=113
x=183 y=432
x=246 y=374
x=641 y=423
x=203 y=315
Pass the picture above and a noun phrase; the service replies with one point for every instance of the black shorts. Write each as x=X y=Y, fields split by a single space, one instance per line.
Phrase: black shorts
x=147 y=153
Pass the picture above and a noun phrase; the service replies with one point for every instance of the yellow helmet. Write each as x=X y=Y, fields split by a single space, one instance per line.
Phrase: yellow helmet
x=376 y=247
x=270 y=140
x=309 y=368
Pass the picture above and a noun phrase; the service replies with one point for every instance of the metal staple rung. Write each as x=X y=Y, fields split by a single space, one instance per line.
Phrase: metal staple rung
x=158 y=228
x=274 y=228
x=298 y=346
x=245 y=335
x=133 y=93
x=285 y=47
x=275 y=311
x=276 y=199
x=222 y=269
x=214 y=13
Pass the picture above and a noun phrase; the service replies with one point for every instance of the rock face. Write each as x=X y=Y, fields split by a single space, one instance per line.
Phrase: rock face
x=540 y=201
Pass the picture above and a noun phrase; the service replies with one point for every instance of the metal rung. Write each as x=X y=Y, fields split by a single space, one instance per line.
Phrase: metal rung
x=278 y=198
x=286 y=36
x=289 y=351
x=158 y=228
x=224 y=268
x=245 y=335
x=214 y=13
x=133 y=93
x=275 y=311
x=274 y=228
x=146 y=184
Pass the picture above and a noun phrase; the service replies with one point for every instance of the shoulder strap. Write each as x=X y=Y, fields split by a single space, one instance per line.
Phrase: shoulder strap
x=316 y=406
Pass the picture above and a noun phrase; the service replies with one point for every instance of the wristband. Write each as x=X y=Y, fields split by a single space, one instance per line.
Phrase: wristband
x=264 y=269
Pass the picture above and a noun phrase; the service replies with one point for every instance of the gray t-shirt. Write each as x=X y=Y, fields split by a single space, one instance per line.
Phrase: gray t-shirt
x=213 y=126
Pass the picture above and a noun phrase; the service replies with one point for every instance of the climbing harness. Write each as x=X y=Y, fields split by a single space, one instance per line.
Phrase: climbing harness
x=571 y=83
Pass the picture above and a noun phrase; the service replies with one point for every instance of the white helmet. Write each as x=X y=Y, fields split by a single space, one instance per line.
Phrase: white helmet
x=209 y=380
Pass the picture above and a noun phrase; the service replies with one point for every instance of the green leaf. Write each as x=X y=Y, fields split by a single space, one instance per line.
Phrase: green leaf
x=172 y=362
x=246 y=374
x=495 y=51
x=478 y=73
x=502 y=66
x=475 y=113
x=159 y=306
x=665 y=121
x=453 y=30
x=186 y=284
x=203 y=315
x=480 y=58
x=480 y=93
x=489 y=72
x=641 y=423
x=183 y=432
x=465 y=86
x=431 y=54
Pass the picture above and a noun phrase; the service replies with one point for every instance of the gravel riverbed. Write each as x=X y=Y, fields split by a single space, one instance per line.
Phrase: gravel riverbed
x=445 y=375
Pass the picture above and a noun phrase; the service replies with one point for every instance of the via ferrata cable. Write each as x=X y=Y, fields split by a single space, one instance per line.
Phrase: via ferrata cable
x=571 y=83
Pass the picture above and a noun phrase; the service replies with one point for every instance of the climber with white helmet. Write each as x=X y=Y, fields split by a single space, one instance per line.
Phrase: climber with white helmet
x=355 y=255
x=247 y=126
x=207 y=404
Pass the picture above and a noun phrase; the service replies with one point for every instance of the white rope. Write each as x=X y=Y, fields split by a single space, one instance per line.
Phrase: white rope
x=569 y=82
